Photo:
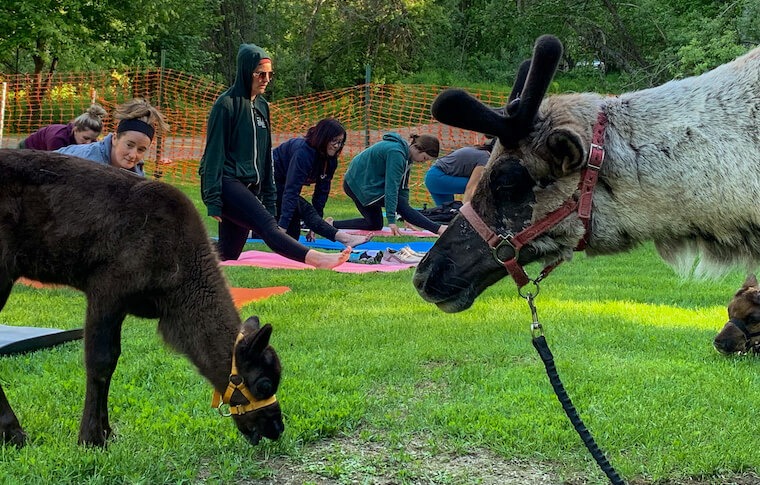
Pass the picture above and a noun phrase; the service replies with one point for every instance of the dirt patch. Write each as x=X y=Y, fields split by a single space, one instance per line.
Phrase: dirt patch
x=374 y=460
x=349 y=460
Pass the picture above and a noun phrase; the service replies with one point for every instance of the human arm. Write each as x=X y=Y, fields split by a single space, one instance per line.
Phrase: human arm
x=395 y=170
x=472 y=183
x=212 y=162
x=322 y=188
x=299 y=167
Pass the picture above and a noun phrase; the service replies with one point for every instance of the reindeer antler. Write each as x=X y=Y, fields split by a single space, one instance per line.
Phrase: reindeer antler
x=458 y=108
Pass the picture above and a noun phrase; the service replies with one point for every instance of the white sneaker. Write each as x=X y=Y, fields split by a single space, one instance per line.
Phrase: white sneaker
x=413 y=252
x=393 y=256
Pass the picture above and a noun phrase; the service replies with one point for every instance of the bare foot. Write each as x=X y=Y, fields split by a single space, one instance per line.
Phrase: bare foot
x=352 y=240
x=327 y=260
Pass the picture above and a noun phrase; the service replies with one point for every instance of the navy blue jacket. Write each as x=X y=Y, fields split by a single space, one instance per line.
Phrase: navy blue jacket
x=297 y=164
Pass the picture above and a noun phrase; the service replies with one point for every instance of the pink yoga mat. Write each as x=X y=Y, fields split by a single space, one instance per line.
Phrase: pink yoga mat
x=263 y=259
x=387 y=232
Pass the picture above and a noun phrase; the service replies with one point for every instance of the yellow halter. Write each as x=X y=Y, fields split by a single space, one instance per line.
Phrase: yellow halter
x=237 y=383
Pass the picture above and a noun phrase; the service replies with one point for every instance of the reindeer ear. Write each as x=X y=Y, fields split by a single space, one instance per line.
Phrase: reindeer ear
x=750 y=281
x=252 y=323
x=565 y=151
x=255 y=343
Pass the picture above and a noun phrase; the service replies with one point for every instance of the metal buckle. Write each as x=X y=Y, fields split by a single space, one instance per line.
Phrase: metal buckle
x=595 y=157
x=505 y=240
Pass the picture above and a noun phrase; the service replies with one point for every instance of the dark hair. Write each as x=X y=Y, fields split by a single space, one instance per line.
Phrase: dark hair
x=426 y=143
x=321 y=134
x=487 y=145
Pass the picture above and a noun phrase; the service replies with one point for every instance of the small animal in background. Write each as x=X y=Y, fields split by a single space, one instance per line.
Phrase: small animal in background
x=741 y=334
x=134 y=247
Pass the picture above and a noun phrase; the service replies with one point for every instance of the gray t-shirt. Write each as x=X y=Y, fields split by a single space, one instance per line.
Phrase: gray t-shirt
x=462 y=161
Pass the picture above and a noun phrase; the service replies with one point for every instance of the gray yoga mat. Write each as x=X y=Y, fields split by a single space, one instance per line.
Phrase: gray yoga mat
x=17 y=340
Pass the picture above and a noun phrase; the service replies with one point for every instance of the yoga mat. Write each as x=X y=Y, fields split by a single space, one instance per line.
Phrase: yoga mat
x=319 y=243
x=17 y=340
x=262 y=259
x=387 y=232
x=243 y=296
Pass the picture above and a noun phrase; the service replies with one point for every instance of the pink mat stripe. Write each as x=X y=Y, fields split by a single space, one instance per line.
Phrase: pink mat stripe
x=263 y=259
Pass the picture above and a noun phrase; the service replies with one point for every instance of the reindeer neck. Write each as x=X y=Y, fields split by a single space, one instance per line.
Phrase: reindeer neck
x=205 y=329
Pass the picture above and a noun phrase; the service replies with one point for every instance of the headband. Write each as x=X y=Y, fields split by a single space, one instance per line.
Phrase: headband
x=134 y=124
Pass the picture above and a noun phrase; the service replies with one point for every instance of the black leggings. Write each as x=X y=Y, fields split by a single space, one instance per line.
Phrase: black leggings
x=372 y=215
x=242 y=211
x=311 y=218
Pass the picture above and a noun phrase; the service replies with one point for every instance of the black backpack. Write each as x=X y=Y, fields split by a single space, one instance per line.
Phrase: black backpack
x=443 y=213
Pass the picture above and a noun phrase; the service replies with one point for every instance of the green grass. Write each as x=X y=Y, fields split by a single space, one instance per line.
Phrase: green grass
x=365 y=357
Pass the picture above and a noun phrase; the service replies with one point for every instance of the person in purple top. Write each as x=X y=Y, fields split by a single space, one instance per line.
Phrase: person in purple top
x=303 y=161
x=125 y=149
x=84 y=129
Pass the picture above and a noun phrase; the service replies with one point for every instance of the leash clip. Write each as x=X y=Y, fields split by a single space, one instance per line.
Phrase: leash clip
x=536 y=329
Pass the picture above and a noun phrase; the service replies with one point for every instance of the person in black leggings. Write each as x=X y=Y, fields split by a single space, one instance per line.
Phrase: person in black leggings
x=379 y=177
x=237 y=183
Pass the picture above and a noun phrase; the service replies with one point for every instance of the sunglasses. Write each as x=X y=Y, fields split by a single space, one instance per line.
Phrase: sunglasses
x=264 y=75
x=338 y=143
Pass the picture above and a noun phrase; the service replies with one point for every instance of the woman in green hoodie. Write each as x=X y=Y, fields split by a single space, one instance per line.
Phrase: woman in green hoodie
x=237 y=181
x=379 y=177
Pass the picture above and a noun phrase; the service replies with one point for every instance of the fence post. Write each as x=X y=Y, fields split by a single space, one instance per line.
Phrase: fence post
x=160 y=138
x=2 y=112
x=367 y=91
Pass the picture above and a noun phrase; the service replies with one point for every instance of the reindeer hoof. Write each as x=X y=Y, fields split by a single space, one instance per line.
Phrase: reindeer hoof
x=15 y=437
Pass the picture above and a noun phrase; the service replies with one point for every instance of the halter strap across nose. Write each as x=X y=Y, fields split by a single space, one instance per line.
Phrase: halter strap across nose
x=237 y=383
x=580 y=204
x=739 y=323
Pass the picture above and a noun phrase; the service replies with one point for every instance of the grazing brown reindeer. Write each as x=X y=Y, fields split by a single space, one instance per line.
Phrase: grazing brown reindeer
x=741 y=334
x=677 y=164
x=138 y=247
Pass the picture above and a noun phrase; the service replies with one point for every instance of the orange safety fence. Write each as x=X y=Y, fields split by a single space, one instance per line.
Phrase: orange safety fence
x=367 y=111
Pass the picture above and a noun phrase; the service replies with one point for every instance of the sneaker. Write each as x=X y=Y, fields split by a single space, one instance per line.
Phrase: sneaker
x=366 y=257
x=411 y=251
x=400 y=257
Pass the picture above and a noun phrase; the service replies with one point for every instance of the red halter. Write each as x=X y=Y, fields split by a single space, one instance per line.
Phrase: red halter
x=581 y=204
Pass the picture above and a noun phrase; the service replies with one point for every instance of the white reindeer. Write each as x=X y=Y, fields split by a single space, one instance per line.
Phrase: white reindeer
x=681 y=167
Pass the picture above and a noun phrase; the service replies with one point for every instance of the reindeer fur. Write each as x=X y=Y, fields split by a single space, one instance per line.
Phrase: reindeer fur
x=132 y=246
x=682 y=168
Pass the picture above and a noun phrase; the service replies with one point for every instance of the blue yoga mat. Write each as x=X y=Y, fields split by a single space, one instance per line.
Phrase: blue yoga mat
x=419 y=246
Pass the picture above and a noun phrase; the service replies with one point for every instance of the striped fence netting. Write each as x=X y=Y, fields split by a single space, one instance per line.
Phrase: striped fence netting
x=367 y=111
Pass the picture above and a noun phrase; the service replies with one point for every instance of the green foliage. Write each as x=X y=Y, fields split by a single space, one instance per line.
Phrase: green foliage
x=327 y=44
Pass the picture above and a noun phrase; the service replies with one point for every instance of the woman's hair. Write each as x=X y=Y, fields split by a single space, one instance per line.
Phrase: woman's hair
x=140 y=109
x=325 y=131
x=90 y=120
x=426 y=143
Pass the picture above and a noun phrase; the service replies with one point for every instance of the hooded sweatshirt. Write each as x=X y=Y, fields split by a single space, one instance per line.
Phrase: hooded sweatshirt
x=238 y=140
x=381 y=171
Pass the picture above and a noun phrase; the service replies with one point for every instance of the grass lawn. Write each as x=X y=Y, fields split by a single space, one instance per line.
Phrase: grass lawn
x=382 y=387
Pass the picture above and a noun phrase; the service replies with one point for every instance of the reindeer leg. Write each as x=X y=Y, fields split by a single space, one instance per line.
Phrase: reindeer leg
x=10 y=429
x=102 y=347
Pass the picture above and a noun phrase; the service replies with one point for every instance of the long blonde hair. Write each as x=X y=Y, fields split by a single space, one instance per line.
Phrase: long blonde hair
x=141 y=109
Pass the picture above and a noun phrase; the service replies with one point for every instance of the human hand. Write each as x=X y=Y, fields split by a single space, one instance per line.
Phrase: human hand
x=394 y=229
x=217 y=218
x=310 y=236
